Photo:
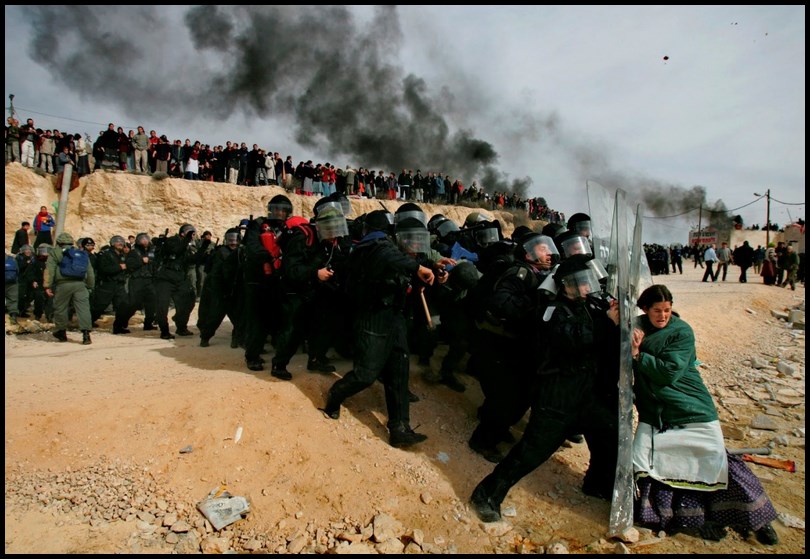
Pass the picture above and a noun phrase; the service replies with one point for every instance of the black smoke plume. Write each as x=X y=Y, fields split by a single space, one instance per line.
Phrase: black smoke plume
x=333 y=81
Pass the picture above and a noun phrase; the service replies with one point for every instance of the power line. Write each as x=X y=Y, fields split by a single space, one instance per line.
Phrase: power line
x=721 y=211
x=17 y=109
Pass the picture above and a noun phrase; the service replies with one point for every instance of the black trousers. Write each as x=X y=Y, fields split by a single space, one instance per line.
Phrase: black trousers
x=709 y=273
x=256 y=320
x=564 y=404
x=506 y=382
x=184 y=297
x=380 y=351
x=114 y=292
x=141 y=296
x=214 y=307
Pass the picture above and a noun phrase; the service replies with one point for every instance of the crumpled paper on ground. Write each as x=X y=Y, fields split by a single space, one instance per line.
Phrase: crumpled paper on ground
x=222 y=509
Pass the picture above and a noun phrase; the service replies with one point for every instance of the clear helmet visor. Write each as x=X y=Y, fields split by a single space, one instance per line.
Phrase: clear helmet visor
x=598 y=269
x=582 y=228
x=414 y=241
x=347 y=207
x=541 y=250
x=576 y=245
x=332 y=227
x=232 y=239
x=279 y=211
x=487 y=236
x=579 y=284
x=331 y=207
x=420 y=215
x=446 y=228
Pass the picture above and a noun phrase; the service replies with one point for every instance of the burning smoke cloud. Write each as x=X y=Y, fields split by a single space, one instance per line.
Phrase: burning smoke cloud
x=336 y=79
x=334 y=82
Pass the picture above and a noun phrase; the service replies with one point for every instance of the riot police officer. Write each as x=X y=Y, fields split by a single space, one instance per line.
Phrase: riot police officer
x=111 y=285
x=379 y=278
x=172 y=282
x=261 y=264
x=220 y=290
x=571 y=341
x=141 y=266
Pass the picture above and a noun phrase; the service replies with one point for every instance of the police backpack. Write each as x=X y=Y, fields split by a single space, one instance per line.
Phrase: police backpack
x=74 y=264
x=11 y=269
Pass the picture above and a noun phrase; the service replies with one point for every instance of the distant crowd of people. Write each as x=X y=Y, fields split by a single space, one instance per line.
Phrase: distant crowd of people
x=778 y=264
x=235 y=163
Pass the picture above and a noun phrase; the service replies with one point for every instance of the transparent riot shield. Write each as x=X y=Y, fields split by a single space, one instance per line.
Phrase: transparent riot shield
x=600 y=207
x=631 y=278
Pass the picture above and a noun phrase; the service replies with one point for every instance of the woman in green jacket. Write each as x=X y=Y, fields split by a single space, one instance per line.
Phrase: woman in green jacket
x=685 y=478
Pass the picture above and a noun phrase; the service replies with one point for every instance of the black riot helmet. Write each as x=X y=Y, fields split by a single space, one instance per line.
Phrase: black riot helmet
x=580 y=223
x=232 y=238
x=279 y=208
x=330 y=223
x=539 y=250
x=576 y=278
x=571 y=243
x=442 y=227
x=336 y=200
x=410 y=210
x=412 y=236
x=43 y=250
x=187 y=230
x=142 y=239
x=378 y=220
x=554 y=229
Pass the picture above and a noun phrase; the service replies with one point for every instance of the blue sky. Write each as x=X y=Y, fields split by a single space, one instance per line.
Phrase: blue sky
x=655 y=100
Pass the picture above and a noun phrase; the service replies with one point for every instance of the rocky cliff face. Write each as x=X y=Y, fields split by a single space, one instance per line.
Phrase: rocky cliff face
x=121 y=203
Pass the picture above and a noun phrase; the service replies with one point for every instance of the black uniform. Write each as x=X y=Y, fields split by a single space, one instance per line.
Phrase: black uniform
x=566 y=399
x=142 y=293
x=219 y=296
x=379 y=280
x=505 y=326
x=310 y=307
x=111 y=288
x=34 y=275
x=260 y=273
x=24 y=288
x=172 y=283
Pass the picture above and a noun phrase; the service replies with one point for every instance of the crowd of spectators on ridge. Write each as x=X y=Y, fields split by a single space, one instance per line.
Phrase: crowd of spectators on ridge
x=138 y=152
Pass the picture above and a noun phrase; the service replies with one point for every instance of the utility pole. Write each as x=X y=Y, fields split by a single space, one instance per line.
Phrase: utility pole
x=767 y=216
x=700 y=230
x=11 y=105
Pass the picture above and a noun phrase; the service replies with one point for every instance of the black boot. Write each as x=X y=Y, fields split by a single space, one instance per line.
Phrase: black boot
x=402 y=436
x=60 y=335
x=204 y=342
x=484 y=507
x=450 y=380
x=332 y=407
x=321 y=365
x=281 y=372
x=86 y=337
x=255 y=364
x=484 y=441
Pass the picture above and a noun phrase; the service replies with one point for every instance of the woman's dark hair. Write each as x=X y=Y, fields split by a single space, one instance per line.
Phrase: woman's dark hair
x=654 y=294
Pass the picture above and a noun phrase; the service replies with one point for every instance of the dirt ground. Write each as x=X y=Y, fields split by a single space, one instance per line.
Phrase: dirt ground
x=94 y=434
